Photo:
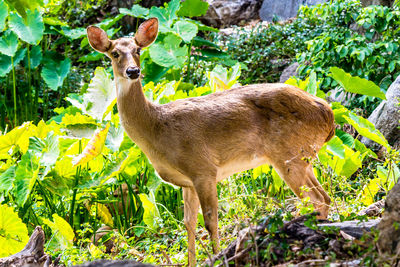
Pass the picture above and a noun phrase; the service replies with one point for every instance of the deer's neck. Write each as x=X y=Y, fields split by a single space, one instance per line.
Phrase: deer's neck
x=137 y=114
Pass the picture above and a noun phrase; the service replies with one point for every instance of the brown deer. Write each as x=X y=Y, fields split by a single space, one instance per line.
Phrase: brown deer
x=196 y=142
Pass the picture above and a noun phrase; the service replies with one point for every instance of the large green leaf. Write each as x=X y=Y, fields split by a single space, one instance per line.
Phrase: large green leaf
x=35 y=57
x=136 y=11
x=25 y=5
x=169 y=53
x=54 y=72
x=62 y=231
x=151 y=213
x=13 y=232
x=356 y=85
x=73 y=33
x=6 y=63
x=193 y=8
x=29 y=30
x=25 y=177
x=335 y=146
x=100 y=94
x=186 y=30
x=45 y=149
x=7 y=179
x=366 y=129
x=9 y=43
x=3 y=15
x=166 y=15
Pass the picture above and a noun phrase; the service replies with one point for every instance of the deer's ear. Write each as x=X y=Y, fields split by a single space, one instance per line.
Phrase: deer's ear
x=147 y=32
x=98 y=39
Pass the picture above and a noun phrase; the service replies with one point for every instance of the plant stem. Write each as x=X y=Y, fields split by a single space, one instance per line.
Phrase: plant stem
x=30 y=109
x=78 y=172
x=187 y=78
x=14 y=92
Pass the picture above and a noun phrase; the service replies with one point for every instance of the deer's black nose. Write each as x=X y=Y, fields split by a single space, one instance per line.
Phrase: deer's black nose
x=133 y=72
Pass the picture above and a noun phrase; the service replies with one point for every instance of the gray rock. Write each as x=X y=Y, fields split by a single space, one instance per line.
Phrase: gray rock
x=288 y=72
x=284 y=9
x=386 y=116
x=353 y=228
x=389 y=232
x=377 y=2
x=222 y=13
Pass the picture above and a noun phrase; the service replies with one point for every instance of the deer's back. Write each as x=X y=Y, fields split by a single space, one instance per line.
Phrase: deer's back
x=250 y=124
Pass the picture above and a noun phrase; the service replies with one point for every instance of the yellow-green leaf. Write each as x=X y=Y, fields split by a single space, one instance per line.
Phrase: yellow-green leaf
x=93 y=148
x=13 y=233
x=62 y=231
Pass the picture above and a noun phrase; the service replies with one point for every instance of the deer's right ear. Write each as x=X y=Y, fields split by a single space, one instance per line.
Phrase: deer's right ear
x=98 y=39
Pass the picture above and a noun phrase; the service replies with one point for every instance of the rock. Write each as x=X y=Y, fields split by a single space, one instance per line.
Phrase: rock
x=386 y=116
x=284 y=9
x=389 y=230
x=354 y=228
x=223 y=13
x=377 y=2
x=288 y=72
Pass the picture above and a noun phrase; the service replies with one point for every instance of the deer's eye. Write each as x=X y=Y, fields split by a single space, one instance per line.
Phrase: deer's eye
x=115 y=54
x=138 y=50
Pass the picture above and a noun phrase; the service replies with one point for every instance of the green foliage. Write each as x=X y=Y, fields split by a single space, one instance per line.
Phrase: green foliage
x=13 y=233
x=355 y=84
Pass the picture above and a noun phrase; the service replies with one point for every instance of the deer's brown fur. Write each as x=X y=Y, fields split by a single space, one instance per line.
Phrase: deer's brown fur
x=196 y=142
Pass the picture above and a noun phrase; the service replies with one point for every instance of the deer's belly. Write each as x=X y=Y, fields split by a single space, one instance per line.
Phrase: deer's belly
x=239 y=165
x=172 y=176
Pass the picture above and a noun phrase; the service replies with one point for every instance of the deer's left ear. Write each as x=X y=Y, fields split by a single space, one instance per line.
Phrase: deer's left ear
x=147 y=32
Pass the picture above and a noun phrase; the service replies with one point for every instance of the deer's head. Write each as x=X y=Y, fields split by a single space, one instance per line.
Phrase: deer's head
x=124 y=52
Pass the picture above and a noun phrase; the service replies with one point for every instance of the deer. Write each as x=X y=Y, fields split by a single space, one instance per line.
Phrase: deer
x=196 y=142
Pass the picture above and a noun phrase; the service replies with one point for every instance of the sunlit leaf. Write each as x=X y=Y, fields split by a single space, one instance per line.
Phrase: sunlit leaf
x=169 y=53
x=151 y=213
x=25 y=177
x=35 y=57
x=367 y=129
x=257 y=172
x=3 y=14
x=93 y=148
x=166 y=15
x=62 y=231
x=186 y=30
x=100 y=95
x=7 y=179
x=369 y=191
x=19 y=136
x=136 y=11
x=77 y=119
x=104 y=214
x=9 y=43
x=6 y=61
x=29 y=30
x=356 y=84
x=220 y=78
x=55 y=71
x=13 y=232
x=193 y=8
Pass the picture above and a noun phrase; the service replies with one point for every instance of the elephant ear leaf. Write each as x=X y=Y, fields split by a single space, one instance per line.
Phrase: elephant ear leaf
x=193 y=8
x=356 y=85
x=14 y=234
x=93 y=148
x=29 y=30
x=3 y=15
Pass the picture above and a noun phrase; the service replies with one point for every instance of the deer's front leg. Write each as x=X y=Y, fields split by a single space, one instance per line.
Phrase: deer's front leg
x=191 y=209
x=206 y=189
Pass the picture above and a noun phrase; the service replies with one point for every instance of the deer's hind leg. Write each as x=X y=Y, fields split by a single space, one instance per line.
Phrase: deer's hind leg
x=298 y=174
